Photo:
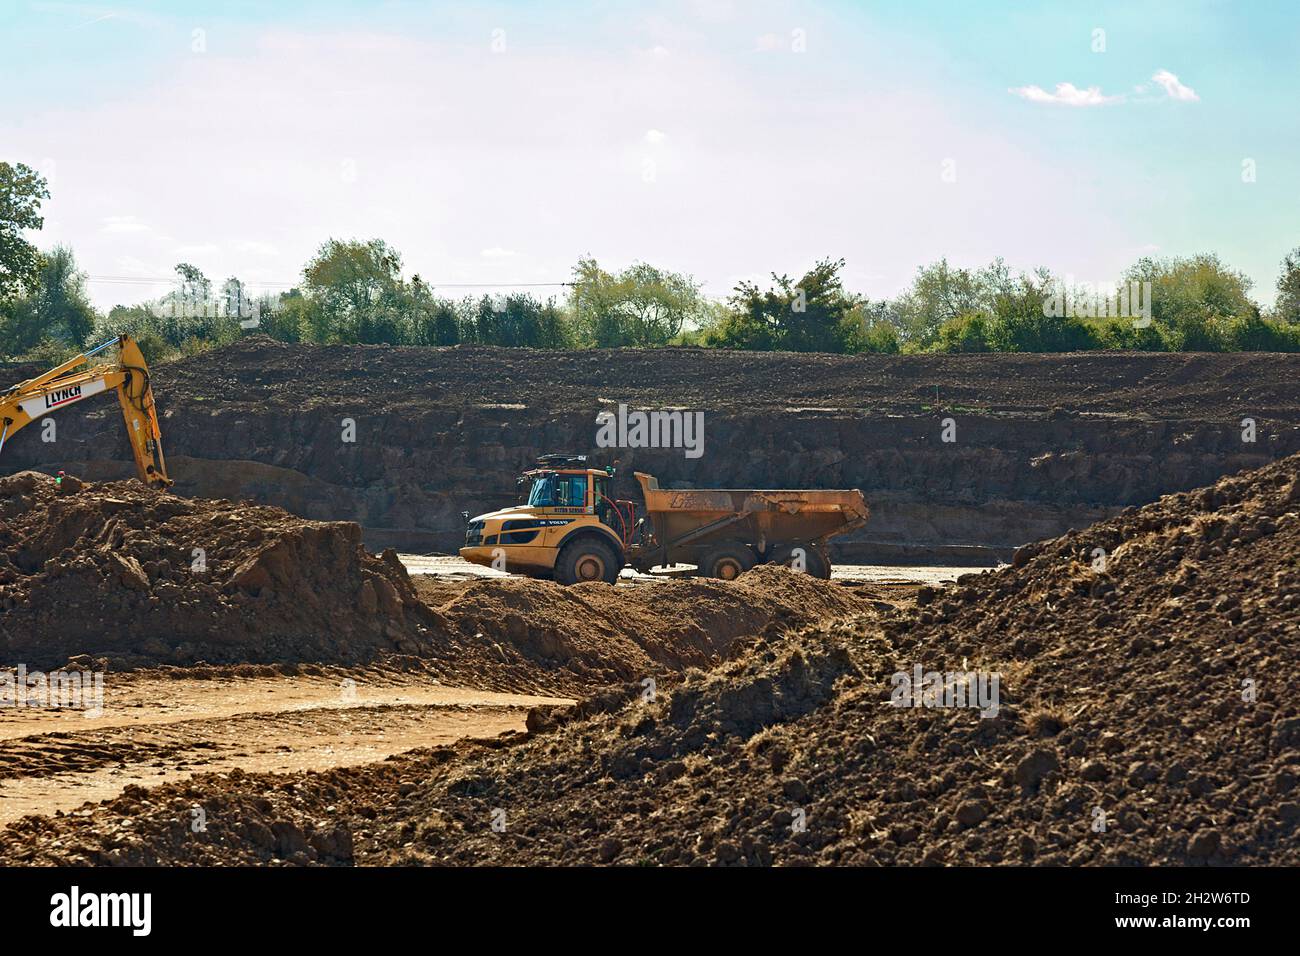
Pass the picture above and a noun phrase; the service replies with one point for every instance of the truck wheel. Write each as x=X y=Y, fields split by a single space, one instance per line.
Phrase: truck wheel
x=586 y=559
x=815 y=561
x=727 y=561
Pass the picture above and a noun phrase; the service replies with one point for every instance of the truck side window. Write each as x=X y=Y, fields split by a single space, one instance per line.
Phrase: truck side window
x=576 y=486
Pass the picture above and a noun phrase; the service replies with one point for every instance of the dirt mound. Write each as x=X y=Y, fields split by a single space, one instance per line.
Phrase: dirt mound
x=576 y=637
x=258 y=369
x=1144 y=717
x=119 y=571
x=235 y=820
x=604 y=634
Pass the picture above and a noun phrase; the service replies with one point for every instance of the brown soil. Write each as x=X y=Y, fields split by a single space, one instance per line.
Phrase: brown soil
x=1146 y=716
x=1124 y=735
x=1164 y=385
x=156 y=730
x=601 y=635
x=1044 y=443
x=120 y=571
x=238 y=664
x=105 y=573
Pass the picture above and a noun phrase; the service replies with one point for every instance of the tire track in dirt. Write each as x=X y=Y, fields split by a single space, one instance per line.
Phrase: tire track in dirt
x=157 y=731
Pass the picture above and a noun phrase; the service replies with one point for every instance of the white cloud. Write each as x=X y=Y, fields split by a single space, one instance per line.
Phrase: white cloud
x=120 y=225
x=253 y=247
x=654 y=137
x=130 y=265
x=1067 y=94
x=1174 y=89
x=196 y=251
x=496 y=252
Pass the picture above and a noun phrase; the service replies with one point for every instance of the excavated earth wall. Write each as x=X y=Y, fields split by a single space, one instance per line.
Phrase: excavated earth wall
x=1041 y=443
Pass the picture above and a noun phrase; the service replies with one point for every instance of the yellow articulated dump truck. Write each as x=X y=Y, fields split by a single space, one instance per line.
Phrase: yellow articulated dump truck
x=570 y=528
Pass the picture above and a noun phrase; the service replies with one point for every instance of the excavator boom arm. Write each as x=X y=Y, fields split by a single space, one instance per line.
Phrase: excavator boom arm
x=70 y=383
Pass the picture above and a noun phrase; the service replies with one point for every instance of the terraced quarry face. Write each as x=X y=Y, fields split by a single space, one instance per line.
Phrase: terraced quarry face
x=1041 y=443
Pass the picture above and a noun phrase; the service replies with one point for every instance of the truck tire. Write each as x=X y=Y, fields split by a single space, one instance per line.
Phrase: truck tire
x=815 y=561
x=587 y=559
x=727 y=561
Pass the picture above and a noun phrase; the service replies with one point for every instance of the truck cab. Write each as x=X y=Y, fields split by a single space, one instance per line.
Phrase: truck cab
x=566 y=526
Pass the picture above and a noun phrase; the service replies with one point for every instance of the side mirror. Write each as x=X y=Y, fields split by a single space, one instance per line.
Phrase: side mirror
x=465 y=515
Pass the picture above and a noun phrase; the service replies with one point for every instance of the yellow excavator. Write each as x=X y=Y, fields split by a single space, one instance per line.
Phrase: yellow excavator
x=80 y=378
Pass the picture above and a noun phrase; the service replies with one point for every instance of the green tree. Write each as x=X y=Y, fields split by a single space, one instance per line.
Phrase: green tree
x=554 y=329
x=1287 y=308
x=236 y=299
x=57 y=310
x=1021 y=322
x=814 y=314
x=966 y=333
x=433 y=321
x=358 y=290
x=21 y=192
x=141 y=322
x=194 y=285
x=1122 y=334
x=940 y=293
x=1193 y=299
x=640 y=306
x=1254 y=333
x=286 y=317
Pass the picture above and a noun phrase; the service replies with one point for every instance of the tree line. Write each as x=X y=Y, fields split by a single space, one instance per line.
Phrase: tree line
x=355 y=292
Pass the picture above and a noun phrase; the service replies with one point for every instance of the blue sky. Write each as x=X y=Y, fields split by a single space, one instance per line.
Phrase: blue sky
x=499 y=142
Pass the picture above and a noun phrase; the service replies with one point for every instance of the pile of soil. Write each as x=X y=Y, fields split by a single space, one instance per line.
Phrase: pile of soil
x=257 y=371
x=1145 y=716
x=123 y=575
x=540 y=633
x=122 y=572
x=602 y=635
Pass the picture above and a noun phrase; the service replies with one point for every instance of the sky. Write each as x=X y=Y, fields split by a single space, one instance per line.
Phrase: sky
x=497 y=143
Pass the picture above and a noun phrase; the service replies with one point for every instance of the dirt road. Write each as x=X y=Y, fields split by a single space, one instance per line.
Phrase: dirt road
x=455 y=568
x=160 y=729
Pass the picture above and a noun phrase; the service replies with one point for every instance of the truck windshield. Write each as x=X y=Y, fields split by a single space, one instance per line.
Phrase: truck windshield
x=542 y=494
x=558 y=491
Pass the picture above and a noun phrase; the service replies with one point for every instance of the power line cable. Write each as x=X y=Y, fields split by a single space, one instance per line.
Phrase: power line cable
x=151 y=280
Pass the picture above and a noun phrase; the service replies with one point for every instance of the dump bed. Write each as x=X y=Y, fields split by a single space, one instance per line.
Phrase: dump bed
x=759 y=517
